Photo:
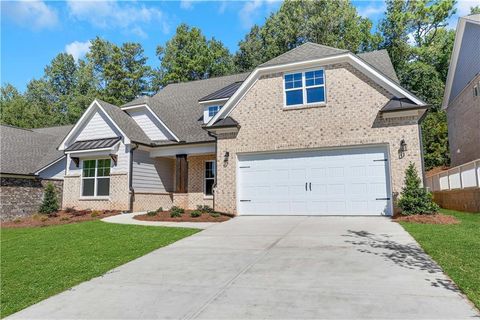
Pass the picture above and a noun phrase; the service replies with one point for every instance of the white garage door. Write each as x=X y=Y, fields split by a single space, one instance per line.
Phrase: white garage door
x=350 y=181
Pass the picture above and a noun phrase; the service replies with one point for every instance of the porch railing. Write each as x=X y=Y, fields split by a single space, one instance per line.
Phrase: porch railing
x=464 y=176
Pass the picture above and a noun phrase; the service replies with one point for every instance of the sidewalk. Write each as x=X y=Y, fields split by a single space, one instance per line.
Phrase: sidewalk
x=127 y=218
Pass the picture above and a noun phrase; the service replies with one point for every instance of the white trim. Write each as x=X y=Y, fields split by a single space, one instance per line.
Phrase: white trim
x=213 y=101
x=455 y=52
x=304 y=88
x=146 y=106
x=90 y=109
x=49 y=165
x=208 y=196
x=168 y=151
x=382 y=80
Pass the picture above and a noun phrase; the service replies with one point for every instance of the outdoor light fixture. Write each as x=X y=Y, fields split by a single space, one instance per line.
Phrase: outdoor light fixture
x=225 y=157
x=403 y=148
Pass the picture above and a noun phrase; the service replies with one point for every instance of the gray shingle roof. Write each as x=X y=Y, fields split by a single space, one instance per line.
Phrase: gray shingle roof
x=137 y=101
x=399 y=104
x=380 y=60
x=225 y=122
x=177 y=105
x=223 y=93
x=25 y=151
x=307 y=51
x=125 y=122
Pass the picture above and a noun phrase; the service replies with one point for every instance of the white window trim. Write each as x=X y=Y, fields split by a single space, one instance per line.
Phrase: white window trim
x=208 y=196
x=304 y=90
x=95 y=177
x=206 y=111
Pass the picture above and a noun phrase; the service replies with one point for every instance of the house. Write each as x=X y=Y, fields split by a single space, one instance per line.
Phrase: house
x=458 y=188
x=314 y=131
x=461 y=100
x=29 y=159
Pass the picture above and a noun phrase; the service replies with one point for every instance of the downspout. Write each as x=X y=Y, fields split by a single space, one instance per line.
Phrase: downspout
x=216 y=164
x=130 y=179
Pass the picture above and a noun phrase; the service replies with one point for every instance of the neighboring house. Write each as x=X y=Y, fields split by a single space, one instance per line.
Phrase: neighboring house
x=462 y=93
x=29 y=158
x=315 y=131
x=458 y=187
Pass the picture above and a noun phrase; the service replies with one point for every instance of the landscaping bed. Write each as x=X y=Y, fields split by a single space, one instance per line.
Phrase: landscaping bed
x=175 y=214
x=428 y=219
x=58 y=218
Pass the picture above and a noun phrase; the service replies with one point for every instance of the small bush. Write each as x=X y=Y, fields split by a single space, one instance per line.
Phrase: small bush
x=215 y=214
x=50 y=201
x=64 y=218
x=43 y=219
x=195 y=214
x=80 y=213
x=17 y=220
x=70 y=209
x=205 y=209
x=95 y=214
x=151 y=213
x=414 y=199
x=160 y=209
x=37 y=216
x=176 y=212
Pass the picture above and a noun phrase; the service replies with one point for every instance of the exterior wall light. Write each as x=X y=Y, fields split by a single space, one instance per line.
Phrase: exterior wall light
x=225 y=157
x=403 y=148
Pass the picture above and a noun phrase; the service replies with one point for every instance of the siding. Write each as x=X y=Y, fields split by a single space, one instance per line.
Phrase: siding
x=97 y=127
x=151 y=126
x=56 y=171
x=152 y=174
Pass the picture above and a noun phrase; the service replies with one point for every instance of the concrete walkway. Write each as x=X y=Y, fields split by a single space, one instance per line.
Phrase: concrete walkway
x=127 y=218
x=272 y=268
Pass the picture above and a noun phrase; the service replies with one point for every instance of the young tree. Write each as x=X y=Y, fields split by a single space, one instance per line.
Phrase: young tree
x=414 y=199
x=50 y=201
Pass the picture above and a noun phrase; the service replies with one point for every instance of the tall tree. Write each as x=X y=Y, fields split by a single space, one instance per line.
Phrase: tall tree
x=189 y=56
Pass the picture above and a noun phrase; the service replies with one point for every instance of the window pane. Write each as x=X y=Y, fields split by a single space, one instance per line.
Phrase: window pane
x=314 y=78
x=103 y=186
x=294 y=97
x=212 y=110
x=209 y=169
x=103 y=169
x=89 y=168
x=293 y=81
x=87 y=189
x=209 y=187
x=316 y=95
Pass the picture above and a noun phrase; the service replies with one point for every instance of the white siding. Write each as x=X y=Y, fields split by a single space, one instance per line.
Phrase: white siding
x=55 y=171
x=97 y=127
x=152 y=174
x=151 y=126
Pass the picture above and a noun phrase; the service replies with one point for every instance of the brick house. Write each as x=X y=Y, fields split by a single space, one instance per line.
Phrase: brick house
x=314 y=131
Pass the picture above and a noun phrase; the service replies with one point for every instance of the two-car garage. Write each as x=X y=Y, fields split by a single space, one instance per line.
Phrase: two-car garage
x=349 y=181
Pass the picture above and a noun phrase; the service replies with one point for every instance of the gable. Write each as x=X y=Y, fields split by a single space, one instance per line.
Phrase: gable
x=150 y=124
x=97 y=126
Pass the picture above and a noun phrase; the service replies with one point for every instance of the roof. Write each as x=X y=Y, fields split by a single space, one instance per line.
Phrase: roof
x=25 y=151
x=137 y=101
x=177 y=105
x=400 y=104
x=380 y=60
x=125 y=122
x=464 y=63
x=223 y=93
x=226 y=122
x=306 y=51
x=93 y=144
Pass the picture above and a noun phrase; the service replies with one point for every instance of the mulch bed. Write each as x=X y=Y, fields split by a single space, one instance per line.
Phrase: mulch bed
x=60 y=217
x=165 y=216
x=429 y=219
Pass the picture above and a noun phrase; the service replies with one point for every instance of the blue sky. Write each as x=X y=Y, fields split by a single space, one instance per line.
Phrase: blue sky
x=34 y=32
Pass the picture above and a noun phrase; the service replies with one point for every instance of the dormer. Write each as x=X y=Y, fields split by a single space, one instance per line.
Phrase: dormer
x=213 y=102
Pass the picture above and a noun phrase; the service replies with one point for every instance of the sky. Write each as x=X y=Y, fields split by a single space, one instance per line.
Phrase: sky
x=34 y=32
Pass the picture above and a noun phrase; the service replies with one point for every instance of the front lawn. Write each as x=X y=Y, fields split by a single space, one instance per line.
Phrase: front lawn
x=455 y=247
x=39 y=262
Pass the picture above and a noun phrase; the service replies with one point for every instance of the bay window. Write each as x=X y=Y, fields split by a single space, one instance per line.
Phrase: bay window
x=96 y=178
x=304 y=88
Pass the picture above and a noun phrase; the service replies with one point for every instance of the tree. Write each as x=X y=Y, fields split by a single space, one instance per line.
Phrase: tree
x=50 y=201
x=15 y=109
x=475 y=10
x=414 y=199
x=189 y=56
x=333 y=23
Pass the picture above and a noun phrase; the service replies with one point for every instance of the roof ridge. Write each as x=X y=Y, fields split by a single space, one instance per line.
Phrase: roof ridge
x=15 y=127
x=209 y=78
x=324 y=46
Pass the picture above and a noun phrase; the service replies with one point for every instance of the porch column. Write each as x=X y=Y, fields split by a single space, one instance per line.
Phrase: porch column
x=181 y=174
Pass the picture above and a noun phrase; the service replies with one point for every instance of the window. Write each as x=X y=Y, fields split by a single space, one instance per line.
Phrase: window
x=475 y=91
x=209 y=177
x=304 y=88
x=96 y=178
x=210 y=112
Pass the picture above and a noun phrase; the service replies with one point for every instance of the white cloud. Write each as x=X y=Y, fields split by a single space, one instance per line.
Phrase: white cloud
x=372 y=10
x=251 y=10
x=186 y=4
x=33 y=14
x=463 y=6
x=139 y=32
x=222 y=7
x=77 y=49
x=112 y=14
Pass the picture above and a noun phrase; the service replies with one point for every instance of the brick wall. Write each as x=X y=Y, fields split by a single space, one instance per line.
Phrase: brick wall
x=349 y=118
x=463 y=116
x=196 y=174
x=152 y=201
x=20 y=197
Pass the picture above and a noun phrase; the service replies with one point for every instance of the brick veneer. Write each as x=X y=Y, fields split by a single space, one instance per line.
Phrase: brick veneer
x=196 y=174
x=349 y=118
x=20 y=197
x=152 y=201
x=463 y=116
x=119 y=194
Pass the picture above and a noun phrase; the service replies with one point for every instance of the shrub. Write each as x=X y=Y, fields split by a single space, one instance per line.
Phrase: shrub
x=64 y=218
x=205 y=209
x=160 y=209
x=95 y=213
x=215 y=214
x=36 y=216
x=50 y=201
x=195 y=214
x=176 y=212
x=70 y=209
x=414 y=199
x=43 y=219
x=151 y=213
x=17 y=220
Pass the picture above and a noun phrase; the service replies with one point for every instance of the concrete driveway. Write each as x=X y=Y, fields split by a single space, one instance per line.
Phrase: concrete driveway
x=272 y=267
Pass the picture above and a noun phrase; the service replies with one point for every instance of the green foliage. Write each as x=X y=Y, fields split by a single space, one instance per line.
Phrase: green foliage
x=176 y=212
x=50 y=201
x=152 y=213
x=67 y=255
x=215 y=214
x=160 y=209
x=204 y=209
x=475 y=10
x=435 y=139
x=95 y=213
x=414 y=199
x=195 y=214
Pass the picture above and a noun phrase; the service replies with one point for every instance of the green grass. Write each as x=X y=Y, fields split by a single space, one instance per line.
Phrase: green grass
x=456 y=248
x=39 y=262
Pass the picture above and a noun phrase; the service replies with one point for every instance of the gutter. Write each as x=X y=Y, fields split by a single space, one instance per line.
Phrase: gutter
x=130 y=180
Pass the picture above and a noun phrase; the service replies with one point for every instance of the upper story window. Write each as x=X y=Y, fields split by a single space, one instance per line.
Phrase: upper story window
x=96 y=178
x=304 y=88
x=210 y=111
